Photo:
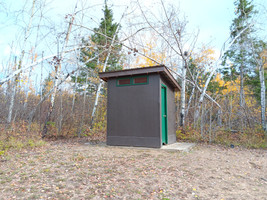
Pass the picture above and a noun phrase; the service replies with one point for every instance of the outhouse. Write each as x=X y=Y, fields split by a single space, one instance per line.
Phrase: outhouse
x=141 y=106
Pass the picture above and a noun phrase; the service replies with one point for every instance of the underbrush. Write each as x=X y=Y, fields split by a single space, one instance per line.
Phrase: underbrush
x=17 y=137
x=249 y=138
x=95 y=133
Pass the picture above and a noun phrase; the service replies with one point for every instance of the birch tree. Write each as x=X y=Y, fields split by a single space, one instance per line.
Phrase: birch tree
x=216 y=66
x=172 y=31
x=263 y=96
x=260 y=59
x=19 y=66
x=57 y=62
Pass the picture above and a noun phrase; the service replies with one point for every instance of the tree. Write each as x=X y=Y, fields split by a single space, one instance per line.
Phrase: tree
x=227 y=45
x=101 y=41
x=17 y=78
x=240 y=54
x=57 y=61
x=107 y=50
x=172 y=31
x=150 y=50
x=258 y=82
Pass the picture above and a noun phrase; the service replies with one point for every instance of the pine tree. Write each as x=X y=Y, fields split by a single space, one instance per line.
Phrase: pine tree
x=240 y=53
x=98 y=43
x=101 y=40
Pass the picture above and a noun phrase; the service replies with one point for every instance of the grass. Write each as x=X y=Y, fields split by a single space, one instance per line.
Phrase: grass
x=248 y=139
x=17 y=137
x=251 y=139
x=19 y=143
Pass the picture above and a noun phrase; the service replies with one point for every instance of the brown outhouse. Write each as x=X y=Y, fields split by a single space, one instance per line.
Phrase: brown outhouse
x=141 y=107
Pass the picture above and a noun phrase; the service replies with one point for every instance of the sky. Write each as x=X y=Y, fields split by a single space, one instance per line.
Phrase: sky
x=211 y=17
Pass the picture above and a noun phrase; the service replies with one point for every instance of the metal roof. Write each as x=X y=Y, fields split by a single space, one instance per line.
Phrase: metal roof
x=161 y=69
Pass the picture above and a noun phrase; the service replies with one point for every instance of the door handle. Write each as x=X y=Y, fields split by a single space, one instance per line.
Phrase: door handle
x=164 y=115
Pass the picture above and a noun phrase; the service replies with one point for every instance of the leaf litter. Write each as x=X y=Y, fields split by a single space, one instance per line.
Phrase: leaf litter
x=65 y=170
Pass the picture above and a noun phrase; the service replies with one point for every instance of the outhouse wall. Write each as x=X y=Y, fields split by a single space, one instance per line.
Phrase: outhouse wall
x=171 y=110
x=134 y=114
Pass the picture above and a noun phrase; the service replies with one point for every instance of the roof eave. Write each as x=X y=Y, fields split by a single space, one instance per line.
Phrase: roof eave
x=145 y=70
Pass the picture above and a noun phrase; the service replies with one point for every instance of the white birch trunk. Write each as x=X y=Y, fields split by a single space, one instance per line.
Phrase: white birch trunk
x=11 y=105
x=26 y=36
x=190 y=100
x=57 y=73
x=203 y=120
x=27 y=91
x=101 y=81
x=12 y=100
x=217 y=65
x=74 y=92
x=182 y=112
x=201 y=98
x=191 y=96
x=263 y=99
x=44 y=97
x=12 y=97
x=83 y=114
x=200 y=90
x=75 y=83
x=61 y=113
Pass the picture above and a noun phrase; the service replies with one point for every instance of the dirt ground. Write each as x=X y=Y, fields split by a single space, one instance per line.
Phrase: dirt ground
x=63 y=170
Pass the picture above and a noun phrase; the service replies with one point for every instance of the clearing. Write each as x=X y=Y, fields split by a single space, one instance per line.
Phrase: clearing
x=65 y=170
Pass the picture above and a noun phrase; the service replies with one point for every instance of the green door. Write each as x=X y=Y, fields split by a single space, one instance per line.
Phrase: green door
x=164 y=131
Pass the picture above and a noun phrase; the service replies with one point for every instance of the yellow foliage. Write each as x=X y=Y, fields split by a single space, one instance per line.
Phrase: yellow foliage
x=205 y=57
x=219 y=80
x=232 y=89
x=100 y=67
x=150 y=51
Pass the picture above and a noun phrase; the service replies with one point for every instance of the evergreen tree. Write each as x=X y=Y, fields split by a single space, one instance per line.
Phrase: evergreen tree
x=240 y=53
x=97 y=44
x=101 y=40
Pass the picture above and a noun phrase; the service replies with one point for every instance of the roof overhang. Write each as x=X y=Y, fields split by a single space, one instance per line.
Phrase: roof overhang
x=161 y=69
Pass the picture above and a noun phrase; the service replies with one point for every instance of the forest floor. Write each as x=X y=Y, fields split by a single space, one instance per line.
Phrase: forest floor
x=74 y=170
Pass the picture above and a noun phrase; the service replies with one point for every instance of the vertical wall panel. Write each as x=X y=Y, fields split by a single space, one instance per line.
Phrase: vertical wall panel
x=133 y=114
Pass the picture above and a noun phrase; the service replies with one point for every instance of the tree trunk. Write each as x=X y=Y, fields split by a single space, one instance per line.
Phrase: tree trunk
x=12 y=97
x=74 y=92
x=101 y=82
x=11 y=105
x=57 y=74
x=83 y=107
x=203 y=121
x=13 y=93
x=190 y=100
x=50 y=110
x=60 y=120
x=210 y=128
x=182 y=112
x=263 y=99
x=201 y=98
x=242 y=96
x=191 y=96
x=27 y=93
